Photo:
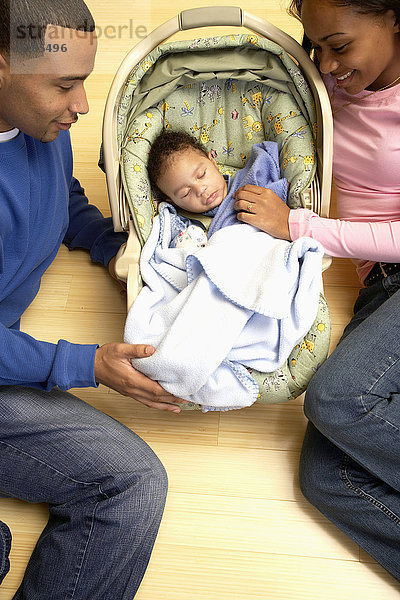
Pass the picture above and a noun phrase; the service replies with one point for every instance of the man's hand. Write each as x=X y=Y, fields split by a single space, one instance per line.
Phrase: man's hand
x=262 y=208
x=113 y=368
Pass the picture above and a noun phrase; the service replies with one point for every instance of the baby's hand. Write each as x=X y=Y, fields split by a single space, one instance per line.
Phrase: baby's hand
x=191 y=238
x=262 y=208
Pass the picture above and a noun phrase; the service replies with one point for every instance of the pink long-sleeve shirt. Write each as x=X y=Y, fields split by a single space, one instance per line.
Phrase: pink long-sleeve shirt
x=366 y=169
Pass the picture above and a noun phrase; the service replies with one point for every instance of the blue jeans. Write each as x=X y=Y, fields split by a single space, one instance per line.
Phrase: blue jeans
x=350 y=461
x=105 y=488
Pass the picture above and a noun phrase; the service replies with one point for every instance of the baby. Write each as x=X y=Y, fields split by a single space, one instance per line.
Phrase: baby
x=216 y=313
x=181 y=171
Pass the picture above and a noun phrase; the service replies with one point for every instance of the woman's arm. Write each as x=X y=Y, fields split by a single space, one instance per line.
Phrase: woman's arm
x=375 y=241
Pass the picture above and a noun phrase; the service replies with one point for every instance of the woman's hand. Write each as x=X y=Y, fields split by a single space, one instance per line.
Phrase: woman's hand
x=262 y=208
x=113 y=368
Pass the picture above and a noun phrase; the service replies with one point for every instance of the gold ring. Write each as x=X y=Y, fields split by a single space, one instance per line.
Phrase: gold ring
x=249 y=206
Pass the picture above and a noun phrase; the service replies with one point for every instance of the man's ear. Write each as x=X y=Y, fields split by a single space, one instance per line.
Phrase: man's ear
x=393 y=21
x=4 y=69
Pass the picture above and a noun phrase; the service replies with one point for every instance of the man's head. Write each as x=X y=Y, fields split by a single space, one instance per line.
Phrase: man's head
x=180 y=168
x=47 y=49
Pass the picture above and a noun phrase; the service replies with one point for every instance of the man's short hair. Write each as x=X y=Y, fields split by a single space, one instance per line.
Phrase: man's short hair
x=23 y=23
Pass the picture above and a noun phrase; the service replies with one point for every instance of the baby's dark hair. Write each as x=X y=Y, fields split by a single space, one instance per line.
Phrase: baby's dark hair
x=164 y=147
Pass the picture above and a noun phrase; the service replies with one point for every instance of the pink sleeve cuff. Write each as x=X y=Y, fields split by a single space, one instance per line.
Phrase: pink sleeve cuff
x=299 y=223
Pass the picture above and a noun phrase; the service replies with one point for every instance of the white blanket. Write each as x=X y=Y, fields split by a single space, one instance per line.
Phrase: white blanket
x=242 y=302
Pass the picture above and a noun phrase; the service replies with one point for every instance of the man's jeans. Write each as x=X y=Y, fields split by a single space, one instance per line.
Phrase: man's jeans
x=105 y=488
x=350 y=461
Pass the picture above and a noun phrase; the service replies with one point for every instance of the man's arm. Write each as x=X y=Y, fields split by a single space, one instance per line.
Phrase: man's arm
x=88 y=228
x=27 y=361
x=30 y=362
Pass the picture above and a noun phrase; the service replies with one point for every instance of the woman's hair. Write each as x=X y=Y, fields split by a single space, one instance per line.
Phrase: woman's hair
x=23 y=23
x=164 y=147
x=377 y=7
x=374 y=7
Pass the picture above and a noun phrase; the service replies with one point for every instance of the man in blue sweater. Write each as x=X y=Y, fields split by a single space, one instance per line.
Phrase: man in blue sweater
x=105 y=487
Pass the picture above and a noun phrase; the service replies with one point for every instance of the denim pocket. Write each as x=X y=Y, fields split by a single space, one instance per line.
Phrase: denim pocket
x=369 y=488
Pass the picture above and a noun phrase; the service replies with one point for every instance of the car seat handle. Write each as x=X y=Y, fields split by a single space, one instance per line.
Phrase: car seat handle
x=209 y=16
x=231 y=16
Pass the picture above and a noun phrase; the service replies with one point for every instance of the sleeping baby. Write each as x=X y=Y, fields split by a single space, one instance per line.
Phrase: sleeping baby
x=220 y=297
x=183 y=173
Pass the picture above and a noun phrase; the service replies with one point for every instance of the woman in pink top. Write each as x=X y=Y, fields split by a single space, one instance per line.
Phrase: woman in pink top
x=350 y=462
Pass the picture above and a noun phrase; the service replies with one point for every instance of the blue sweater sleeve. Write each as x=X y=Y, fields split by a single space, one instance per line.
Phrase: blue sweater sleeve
x=89 y=229
x=27 y=361
x=41 y=204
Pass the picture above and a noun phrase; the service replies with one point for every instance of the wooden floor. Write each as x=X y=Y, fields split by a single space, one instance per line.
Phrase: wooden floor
x=236 y=526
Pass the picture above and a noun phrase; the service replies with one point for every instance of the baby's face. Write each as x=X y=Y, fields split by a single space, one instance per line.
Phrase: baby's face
x=192 y=181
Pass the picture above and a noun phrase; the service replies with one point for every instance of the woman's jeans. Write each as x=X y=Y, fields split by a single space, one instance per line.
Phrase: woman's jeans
x=350 y=461
x=105 y=488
